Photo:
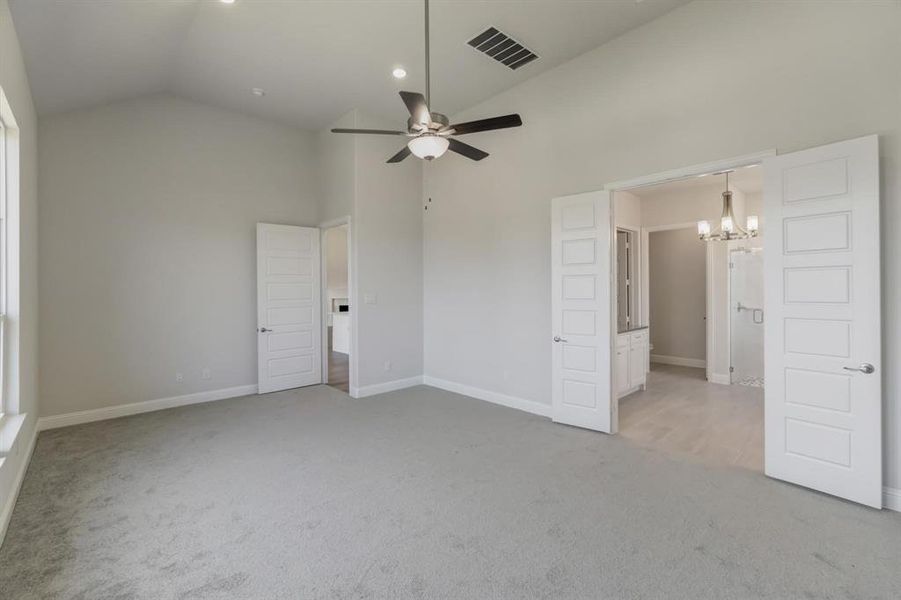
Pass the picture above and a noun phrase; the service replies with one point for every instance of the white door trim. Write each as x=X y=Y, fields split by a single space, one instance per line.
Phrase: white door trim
x=352 y=296
x=735 y=162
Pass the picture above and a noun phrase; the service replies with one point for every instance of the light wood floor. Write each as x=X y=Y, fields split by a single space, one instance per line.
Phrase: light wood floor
x=338 y=367
x=682 y=413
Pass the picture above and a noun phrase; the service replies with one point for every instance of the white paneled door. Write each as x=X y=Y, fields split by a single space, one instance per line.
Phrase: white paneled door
x=581 y=311
x=823 y=347
x=289 y=333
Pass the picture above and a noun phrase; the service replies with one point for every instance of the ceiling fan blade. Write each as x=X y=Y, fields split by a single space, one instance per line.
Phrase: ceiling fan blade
x=466 y=150
x=419 y=110
x=370 y=131
x=404 y=153
x=487 y=124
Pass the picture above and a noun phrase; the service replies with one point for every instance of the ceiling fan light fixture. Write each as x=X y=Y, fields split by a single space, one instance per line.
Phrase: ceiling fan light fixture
x=428 y=146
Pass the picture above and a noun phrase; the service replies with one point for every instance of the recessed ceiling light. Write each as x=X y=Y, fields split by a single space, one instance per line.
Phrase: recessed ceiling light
x=260 y=92
x=227 y=1
x=399 y=73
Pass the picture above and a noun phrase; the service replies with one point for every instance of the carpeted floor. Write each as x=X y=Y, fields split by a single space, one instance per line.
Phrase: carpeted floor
x=415 y=494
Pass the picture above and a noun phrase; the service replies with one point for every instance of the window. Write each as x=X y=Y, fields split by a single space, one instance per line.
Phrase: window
x=3 y=192
x=8 y=192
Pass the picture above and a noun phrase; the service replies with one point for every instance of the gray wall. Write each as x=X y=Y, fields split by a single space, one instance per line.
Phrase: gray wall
x=388 y=216
x=148 y=212
x=663 y=96
x=386 y=254
x=677 y=264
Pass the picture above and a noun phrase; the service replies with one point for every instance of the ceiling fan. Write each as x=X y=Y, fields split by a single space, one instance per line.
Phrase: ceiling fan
x=431 y=132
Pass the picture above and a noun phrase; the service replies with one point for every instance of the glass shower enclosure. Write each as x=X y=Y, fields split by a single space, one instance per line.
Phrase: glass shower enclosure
x=746 y=316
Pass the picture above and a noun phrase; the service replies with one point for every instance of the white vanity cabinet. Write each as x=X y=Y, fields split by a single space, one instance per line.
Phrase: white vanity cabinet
x=631 y=361
x=341 y=332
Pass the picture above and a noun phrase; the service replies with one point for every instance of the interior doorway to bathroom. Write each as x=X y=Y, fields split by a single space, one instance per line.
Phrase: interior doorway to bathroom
x=689 y=350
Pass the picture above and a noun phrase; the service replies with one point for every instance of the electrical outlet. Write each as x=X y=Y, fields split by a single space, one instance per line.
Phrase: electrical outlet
x=205 y=374
x=387 y=365
x=179 y=377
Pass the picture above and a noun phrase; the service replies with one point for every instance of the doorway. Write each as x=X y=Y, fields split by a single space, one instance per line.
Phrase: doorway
x=674 y=359
x=822 y=314
x=337 y=308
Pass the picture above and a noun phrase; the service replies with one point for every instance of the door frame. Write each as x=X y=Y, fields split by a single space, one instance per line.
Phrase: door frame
x=697 y=170
x=710 y=308
x=638 y=268
x=352 y=296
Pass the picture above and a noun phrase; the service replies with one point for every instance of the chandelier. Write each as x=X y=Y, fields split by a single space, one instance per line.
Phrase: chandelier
x=729 y=227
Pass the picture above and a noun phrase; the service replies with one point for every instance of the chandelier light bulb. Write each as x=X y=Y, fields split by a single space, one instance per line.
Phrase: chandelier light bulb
x=753 y=224
x=703 y=228
x=727 y=225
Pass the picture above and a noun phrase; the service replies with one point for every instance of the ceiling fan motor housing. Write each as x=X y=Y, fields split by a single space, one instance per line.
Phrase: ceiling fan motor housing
x=437 y=122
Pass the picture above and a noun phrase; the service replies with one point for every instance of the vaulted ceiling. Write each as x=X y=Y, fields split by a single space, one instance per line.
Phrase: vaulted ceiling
x=315 y=59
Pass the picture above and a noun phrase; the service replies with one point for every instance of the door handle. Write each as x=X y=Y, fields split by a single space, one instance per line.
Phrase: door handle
x=264 y=330
x=865 y=368
x=559 y=339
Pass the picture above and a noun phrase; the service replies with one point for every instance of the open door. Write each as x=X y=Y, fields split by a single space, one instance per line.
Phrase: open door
x=822 y=338
x=289 y=334
x=581 y=280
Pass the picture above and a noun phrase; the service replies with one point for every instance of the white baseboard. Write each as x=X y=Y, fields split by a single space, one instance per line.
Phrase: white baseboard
x=7 y=510
x=124 y=410
x=891 y=498
x=388 y=386
x=679 y=361
x=529 y=406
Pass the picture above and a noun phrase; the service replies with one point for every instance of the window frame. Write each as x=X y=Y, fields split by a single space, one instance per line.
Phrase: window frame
x=8 y=187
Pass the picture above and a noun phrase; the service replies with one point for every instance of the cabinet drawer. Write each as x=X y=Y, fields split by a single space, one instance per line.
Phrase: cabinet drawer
x=640 y=337
x=622 y=340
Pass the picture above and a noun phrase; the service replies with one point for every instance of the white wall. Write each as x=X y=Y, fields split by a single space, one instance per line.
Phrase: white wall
x=677 y=267
x=336 y=154
x=22 y=302
x=627 y=210
x=148 y=212
x=385 y=202
x=707 y=81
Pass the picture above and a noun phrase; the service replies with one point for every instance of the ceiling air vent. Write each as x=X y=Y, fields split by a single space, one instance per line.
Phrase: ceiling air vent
x=502 y=48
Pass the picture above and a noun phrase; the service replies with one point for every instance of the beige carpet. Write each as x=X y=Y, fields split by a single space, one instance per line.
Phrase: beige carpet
x=415 y=494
